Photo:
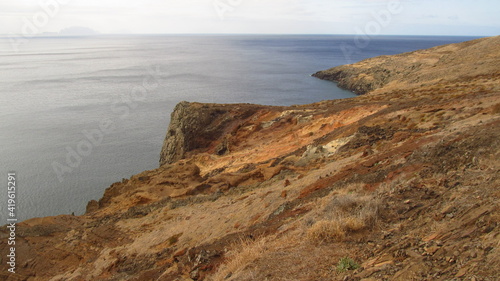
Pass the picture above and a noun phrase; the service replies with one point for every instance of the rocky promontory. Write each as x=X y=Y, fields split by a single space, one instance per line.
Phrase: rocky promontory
x=419 y=68
x=400 y=183
x=195 y=126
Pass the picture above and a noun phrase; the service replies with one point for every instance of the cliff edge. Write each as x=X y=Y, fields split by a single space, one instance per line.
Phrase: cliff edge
x=195 y=126
x=400 y=183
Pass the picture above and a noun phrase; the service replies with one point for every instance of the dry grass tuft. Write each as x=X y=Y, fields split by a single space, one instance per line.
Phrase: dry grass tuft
x=345 y=214
x=242 y=255
x=353 y=224
x=326 y=231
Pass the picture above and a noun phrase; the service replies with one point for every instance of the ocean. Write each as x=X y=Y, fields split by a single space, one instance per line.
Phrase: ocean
x=79 y=113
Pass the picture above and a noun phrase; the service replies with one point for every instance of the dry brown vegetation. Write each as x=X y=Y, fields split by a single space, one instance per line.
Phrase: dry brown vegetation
x=243 y=254
x=345 y=215
x=403 y=180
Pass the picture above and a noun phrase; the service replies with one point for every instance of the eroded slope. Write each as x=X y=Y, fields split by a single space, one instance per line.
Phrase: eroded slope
x=403 y=180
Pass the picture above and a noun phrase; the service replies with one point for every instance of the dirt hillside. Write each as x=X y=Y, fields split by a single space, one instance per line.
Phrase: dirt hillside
x=400 y=183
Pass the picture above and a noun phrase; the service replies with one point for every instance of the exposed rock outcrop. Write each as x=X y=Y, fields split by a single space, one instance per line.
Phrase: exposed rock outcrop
x=196 y=127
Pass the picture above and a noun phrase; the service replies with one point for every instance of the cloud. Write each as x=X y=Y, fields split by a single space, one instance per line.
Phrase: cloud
x=250 y=16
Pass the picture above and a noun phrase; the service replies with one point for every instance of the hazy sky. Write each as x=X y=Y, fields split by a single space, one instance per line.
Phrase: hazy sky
x=426 y=17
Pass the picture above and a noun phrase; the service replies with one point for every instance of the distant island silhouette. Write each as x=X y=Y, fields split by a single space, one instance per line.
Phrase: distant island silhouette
x=78 y=30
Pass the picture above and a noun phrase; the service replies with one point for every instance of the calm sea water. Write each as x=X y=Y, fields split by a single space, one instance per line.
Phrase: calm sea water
x=77 y=114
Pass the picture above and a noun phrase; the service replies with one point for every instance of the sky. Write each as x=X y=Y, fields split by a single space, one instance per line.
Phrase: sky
x=374 y=17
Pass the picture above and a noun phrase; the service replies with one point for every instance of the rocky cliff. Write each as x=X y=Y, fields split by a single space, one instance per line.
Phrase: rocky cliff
x=400 y=183
x=195 y=127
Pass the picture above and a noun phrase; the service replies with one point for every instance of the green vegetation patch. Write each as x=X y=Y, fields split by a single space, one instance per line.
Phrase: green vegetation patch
x=346 y=264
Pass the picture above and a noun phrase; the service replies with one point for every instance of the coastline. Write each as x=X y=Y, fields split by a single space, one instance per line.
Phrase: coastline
x=411 y=146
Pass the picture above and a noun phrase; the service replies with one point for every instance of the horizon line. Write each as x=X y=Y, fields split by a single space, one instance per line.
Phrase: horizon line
x=55 y=34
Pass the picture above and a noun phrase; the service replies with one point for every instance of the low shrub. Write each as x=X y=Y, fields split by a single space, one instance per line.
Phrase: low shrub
x=346 y=264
